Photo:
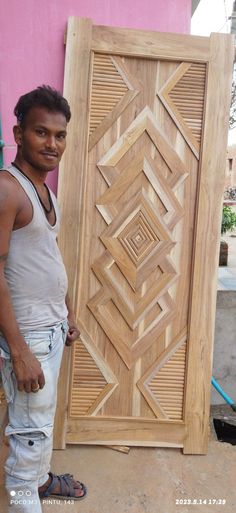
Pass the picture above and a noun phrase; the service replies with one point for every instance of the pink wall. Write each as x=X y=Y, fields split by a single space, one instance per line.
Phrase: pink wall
x=32 y=42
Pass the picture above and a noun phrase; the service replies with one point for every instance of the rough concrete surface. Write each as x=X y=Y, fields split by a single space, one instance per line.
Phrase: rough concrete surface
x=147 y=480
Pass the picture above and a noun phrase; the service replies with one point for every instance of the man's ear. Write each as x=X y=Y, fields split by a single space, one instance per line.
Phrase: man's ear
x=17 y=131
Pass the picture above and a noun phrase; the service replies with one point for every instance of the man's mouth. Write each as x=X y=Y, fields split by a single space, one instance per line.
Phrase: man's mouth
x=49 y=155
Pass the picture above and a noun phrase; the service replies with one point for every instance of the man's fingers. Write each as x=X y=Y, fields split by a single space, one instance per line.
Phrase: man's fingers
x=32 y=384
x=28 y=386
x=41 y=380
x=72 y=335
x=20 y=385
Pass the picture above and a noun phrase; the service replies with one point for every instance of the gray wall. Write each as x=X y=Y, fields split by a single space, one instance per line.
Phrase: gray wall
x=224 y=360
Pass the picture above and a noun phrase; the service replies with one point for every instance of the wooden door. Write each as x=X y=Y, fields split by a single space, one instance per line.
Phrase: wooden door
x=140 y=189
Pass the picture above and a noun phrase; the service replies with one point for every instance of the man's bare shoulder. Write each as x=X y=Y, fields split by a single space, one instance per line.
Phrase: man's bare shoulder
x=8 y=190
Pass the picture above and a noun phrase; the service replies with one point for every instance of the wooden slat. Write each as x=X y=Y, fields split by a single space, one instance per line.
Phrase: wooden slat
x=74 y=160
x=207 y=238
x=87 y=381
x=187 y=105
x=150 y=44
x=108 y=98
x=183 y=96
x=169 y=393
x=163 y=384
x=105 y=73
x=133 y=432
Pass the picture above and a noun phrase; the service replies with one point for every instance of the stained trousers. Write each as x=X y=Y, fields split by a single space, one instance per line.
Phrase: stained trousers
x=31 y=418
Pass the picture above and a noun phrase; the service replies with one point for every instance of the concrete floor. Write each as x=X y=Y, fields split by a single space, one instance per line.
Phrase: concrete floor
x=147 y=480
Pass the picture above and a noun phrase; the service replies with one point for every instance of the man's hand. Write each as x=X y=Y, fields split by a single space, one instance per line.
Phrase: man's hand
x=28 y=372
x=73 y=332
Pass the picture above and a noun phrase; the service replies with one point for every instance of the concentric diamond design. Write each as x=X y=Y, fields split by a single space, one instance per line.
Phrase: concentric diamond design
x=138 y=238
x=134 y=304
x=139 y=216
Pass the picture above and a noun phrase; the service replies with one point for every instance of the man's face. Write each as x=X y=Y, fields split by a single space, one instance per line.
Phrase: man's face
x=41 y=140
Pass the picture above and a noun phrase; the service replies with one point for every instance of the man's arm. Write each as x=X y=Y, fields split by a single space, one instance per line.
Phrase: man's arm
x=26 y=367
x=73 y=332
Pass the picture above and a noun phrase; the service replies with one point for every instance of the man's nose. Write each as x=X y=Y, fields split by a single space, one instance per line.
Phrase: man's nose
x=51 y=142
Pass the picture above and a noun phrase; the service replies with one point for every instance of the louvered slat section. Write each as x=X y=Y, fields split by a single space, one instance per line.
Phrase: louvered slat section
x=108 y=87
x=188 y=97
x=87 y=381
x=168 y=385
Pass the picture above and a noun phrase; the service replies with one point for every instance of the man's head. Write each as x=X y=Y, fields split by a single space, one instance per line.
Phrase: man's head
x=40 y=133
x=43 y=96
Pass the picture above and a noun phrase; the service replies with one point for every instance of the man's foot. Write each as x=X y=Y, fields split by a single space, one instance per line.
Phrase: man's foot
x=62 y=486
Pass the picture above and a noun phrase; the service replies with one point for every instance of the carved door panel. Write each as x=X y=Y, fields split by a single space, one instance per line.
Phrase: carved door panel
x=140 y=189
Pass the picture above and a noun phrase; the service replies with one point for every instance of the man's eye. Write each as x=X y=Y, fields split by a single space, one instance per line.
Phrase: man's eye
x=40 y=132
x=61 y=136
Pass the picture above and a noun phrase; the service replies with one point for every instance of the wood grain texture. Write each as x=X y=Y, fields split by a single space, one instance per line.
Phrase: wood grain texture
x=206 y=250
x=183 y=96
x=140 y=43
x=138 y=200
x=163 y=385
x=135 y=432
x=72 y=171
x=113 y=88
x=92 y=382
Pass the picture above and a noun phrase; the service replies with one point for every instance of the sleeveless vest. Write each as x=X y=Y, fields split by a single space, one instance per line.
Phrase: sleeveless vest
x=34 y=270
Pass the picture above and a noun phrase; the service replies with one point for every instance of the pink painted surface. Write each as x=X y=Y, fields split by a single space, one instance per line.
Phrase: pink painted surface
x=32 y=35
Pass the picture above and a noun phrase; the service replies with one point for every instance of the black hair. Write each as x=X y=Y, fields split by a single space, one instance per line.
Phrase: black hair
x=43 y=96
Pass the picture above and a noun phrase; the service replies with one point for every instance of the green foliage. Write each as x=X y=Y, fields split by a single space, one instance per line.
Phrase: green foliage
x=228 y=219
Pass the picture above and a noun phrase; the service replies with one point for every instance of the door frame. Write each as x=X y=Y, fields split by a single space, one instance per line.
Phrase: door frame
x=218 y=53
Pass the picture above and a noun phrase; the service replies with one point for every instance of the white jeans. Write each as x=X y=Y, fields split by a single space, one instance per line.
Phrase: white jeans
x=31 y=418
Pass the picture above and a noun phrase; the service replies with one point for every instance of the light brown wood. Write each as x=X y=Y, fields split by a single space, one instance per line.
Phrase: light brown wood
x=110 y=99
x=183 y=95
x=77 y=61
x=134 y=219
x=207 y=240
x=60 y=426
x=161 y=434
x=150 y=44
x=120 y=448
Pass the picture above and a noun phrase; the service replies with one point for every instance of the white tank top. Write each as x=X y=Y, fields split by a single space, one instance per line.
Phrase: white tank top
x=34 y=270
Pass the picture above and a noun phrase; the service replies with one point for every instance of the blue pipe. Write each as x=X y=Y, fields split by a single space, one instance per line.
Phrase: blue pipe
x=2 y=144
x=223 y=394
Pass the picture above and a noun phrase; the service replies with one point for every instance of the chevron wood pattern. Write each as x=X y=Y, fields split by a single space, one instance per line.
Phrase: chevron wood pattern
x=91 y=381
x=183 y=96
x=138 y=240
x=108 y=86
x=113 y=88
x=142 y=173
x=163 y=385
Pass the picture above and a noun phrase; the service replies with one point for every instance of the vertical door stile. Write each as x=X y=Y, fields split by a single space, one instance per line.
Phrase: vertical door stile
x=207 y=241
x=71 y=186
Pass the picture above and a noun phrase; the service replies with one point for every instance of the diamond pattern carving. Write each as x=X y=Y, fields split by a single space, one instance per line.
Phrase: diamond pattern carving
x=135 y=271
x=138 y=238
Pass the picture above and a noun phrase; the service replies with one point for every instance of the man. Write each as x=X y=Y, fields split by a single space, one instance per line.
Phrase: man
x=35 y=315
